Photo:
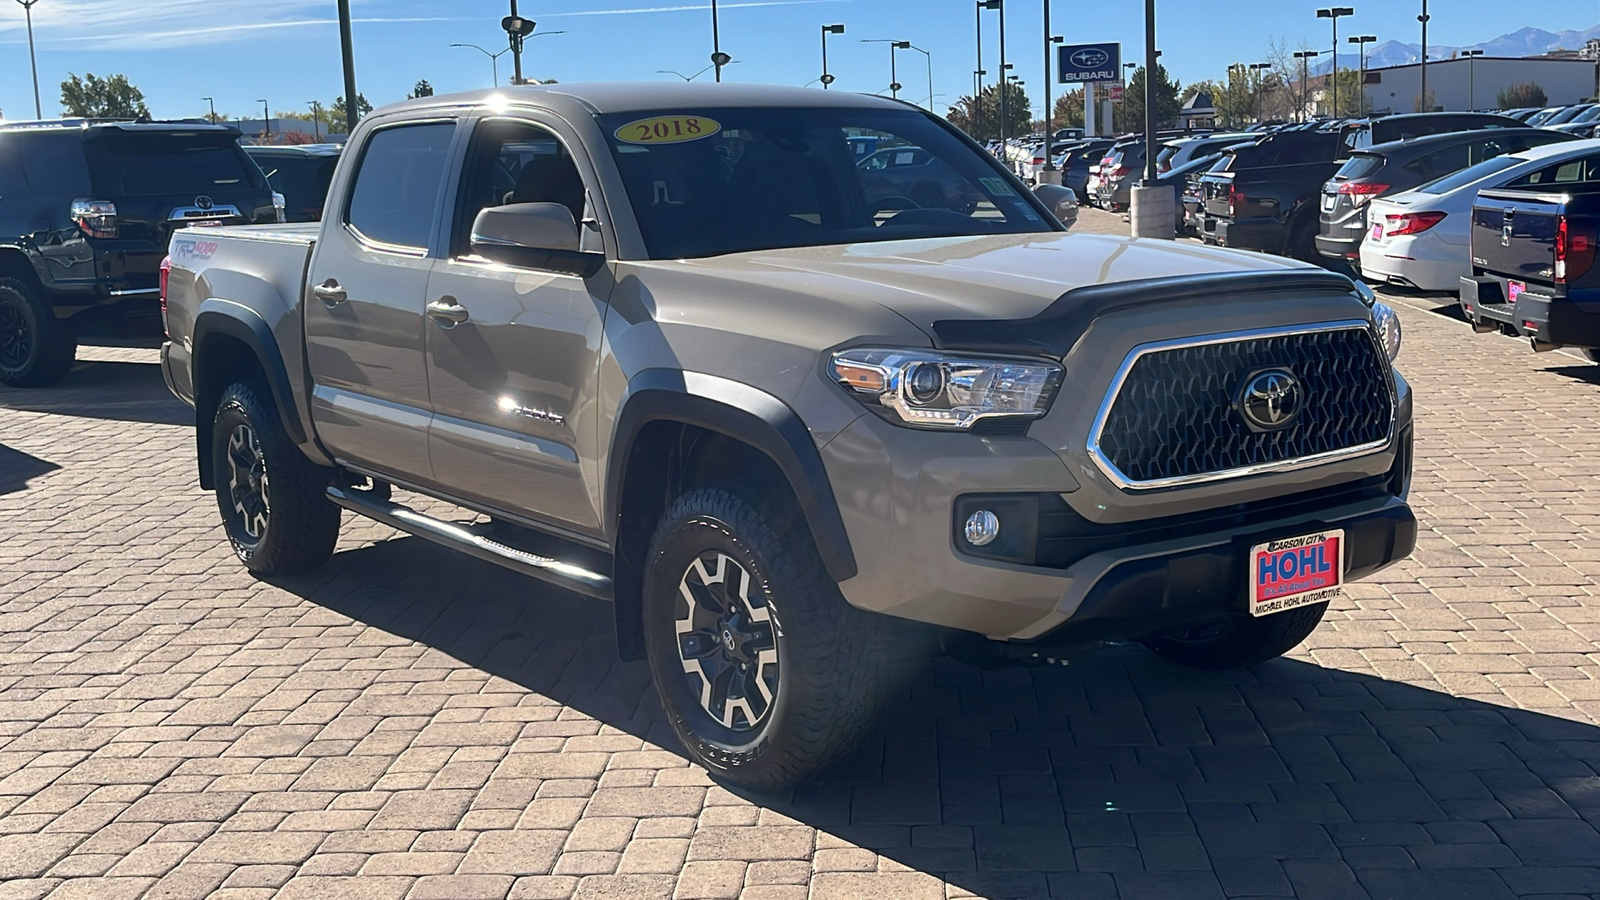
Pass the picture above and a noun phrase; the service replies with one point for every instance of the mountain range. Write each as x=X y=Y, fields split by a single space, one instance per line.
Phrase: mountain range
x=1523 y=42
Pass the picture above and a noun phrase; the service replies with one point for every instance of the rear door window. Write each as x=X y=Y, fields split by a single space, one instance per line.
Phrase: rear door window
x=1576 y=171
x=397 y=191
x=169 y=163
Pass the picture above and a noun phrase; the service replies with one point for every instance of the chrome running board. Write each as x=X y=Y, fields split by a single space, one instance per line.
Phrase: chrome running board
x=551 y=571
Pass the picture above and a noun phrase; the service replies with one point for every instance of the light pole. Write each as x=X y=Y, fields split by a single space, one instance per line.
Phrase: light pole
x=1362 y=41
x=1472 y=80
x=718 y=58
x=1334 y=14
x=1261 y=89
x=27 y=10
x=827 y=79
x=494 y=58
x=1000 y=6
x=910 y=46
x=1423 y=100
x=1049 y=130
x=213 y=103
x=316 y=119
x=894 y=72
x=266 y=121
x=350 y=112
x=1304 y=56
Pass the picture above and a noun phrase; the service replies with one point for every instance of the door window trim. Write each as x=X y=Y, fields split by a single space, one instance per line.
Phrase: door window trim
x=405 y=250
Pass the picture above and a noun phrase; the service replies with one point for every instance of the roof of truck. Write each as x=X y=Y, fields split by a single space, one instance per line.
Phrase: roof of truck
x=610 y=97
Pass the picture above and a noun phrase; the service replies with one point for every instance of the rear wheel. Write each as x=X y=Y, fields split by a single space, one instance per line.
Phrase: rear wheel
x=1240 y=640
x=767 y=675
x=36 y=348
x=274 y=501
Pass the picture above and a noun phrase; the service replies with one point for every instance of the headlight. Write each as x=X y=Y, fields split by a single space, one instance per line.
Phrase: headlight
x=1386 y=324
x=939 y=390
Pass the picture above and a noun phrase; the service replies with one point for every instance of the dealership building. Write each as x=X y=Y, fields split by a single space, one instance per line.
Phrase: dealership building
x=1475 y=82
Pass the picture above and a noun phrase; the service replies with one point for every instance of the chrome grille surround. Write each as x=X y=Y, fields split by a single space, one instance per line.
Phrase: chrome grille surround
x=1368 y=385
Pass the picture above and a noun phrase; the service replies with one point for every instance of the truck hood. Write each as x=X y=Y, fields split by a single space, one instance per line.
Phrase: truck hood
x=990 y=277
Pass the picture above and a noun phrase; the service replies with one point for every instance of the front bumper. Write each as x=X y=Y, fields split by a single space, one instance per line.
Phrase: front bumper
x=1082 y=580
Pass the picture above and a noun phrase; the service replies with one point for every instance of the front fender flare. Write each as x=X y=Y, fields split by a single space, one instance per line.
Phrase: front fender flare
x=748 y=415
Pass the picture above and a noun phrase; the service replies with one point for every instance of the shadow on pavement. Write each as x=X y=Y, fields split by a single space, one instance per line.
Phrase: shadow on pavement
x=1588 y=374
x=1119 y=775
x=16 y=468
x=121 y=391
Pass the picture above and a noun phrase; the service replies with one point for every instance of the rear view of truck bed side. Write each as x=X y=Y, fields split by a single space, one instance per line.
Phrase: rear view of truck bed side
x=1533 y=265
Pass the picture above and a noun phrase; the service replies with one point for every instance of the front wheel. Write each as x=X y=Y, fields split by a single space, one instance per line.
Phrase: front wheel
x=767 y=675
x=1238 y=641
x=274 y=501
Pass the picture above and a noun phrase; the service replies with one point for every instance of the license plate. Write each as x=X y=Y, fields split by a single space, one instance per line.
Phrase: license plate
x=1328 y=201
x=1296 y=572
x=1515 y=289
x=1377 y=232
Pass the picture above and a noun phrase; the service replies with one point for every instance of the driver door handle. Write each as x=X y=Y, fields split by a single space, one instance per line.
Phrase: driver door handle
x=447 y=312
x=330 y=293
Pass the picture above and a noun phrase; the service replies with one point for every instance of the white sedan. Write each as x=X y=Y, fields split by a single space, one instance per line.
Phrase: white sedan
x=1421 y=238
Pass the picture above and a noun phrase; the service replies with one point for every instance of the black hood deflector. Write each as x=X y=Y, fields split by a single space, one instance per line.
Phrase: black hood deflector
x=1054 y=331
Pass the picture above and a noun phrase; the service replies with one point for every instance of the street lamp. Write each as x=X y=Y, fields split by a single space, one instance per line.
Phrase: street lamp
x=494 y=58
x=316 y=119
x=718 y=58
x=1000 y=6
x=1423 y=100
x=266 y=121
x=894 y=76
x=1260 y=87
x=827 y=30
x=1049 y=136
x=910 y=46
x=1304 y=56
x=1334 y=14
x=213 y=103
x=1362 y=41
x=1472 y=81
x=27 y=9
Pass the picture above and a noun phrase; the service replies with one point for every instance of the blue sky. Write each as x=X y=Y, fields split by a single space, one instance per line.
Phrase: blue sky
x=287 y=51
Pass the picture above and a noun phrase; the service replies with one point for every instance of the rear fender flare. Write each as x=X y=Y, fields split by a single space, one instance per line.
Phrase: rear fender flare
x=235 y=320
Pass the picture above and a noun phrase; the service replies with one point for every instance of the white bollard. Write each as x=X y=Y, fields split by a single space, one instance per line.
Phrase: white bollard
x=1153 y=212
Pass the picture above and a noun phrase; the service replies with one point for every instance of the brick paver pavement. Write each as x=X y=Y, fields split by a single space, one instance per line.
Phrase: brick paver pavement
x=410 y=723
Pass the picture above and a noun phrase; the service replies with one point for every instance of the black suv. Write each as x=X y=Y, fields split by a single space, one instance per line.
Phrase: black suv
x=301 y=174
x=88 y=208
x=1402 y=165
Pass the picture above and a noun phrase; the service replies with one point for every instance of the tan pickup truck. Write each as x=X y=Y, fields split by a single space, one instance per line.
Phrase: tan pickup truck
x=688 y=355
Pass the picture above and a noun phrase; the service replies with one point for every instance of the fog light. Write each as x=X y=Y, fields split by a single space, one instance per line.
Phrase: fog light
x=983 y=527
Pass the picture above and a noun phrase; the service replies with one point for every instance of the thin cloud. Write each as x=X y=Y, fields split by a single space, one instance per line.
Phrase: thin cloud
x=171 y=38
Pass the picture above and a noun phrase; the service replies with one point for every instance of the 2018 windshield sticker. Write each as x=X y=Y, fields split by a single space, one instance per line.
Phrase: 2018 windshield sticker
x=998 y=187
x=669 y=130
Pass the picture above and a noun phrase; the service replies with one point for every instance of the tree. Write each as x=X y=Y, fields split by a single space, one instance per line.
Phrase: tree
x=1069 y=109
x=423 y=89
x=1165 y=97
x=336 y=110
x=92 y=97
x=1425 y=103
x=1521 y=96
x=981 y=118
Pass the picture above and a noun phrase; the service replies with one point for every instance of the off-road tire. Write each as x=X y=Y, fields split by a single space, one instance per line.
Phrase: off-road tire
x=834 y=662
x=295 y=526
x=1239 y=641
x=36 y=348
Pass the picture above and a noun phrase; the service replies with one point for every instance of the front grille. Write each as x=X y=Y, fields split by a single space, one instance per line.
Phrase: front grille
x=1174 y=418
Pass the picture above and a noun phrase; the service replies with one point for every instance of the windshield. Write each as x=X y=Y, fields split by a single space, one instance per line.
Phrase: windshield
x=169 y=163
x=1468 y=175
x=734 y=180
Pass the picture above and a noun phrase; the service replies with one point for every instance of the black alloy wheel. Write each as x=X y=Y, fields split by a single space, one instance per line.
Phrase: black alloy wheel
x=727 y=642
x=247 y=481
x=16 y=337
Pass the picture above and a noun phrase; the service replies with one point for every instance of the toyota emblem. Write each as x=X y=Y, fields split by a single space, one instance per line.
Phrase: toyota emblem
x=204 y=202
x=1090 y=59
x=1270 y=400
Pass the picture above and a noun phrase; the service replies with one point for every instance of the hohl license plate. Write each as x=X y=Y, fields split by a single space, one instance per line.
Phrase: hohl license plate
x=1296 y=572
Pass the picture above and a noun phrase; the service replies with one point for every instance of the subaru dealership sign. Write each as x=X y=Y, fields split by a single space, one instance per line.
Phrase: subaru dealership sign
x=1091 y=63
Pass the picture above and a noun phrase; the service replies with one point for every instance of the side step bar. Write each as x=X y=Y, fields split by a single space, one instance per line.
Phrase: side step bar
x=552 y=571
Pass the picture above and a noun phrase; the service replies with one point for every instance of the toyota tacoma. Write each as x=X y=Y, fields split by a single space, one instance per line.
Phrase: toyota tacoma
x=661 y=346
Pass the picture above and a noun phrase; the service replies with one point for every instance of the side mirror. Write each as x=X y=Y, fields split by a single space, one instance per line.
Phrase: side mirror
x=533 y=236
x=1063 y=201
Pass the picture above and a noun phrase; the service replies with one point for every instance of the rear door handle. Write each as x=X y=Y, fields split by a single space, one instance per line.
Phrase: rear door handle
x=330 y=293
x=447 y=312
